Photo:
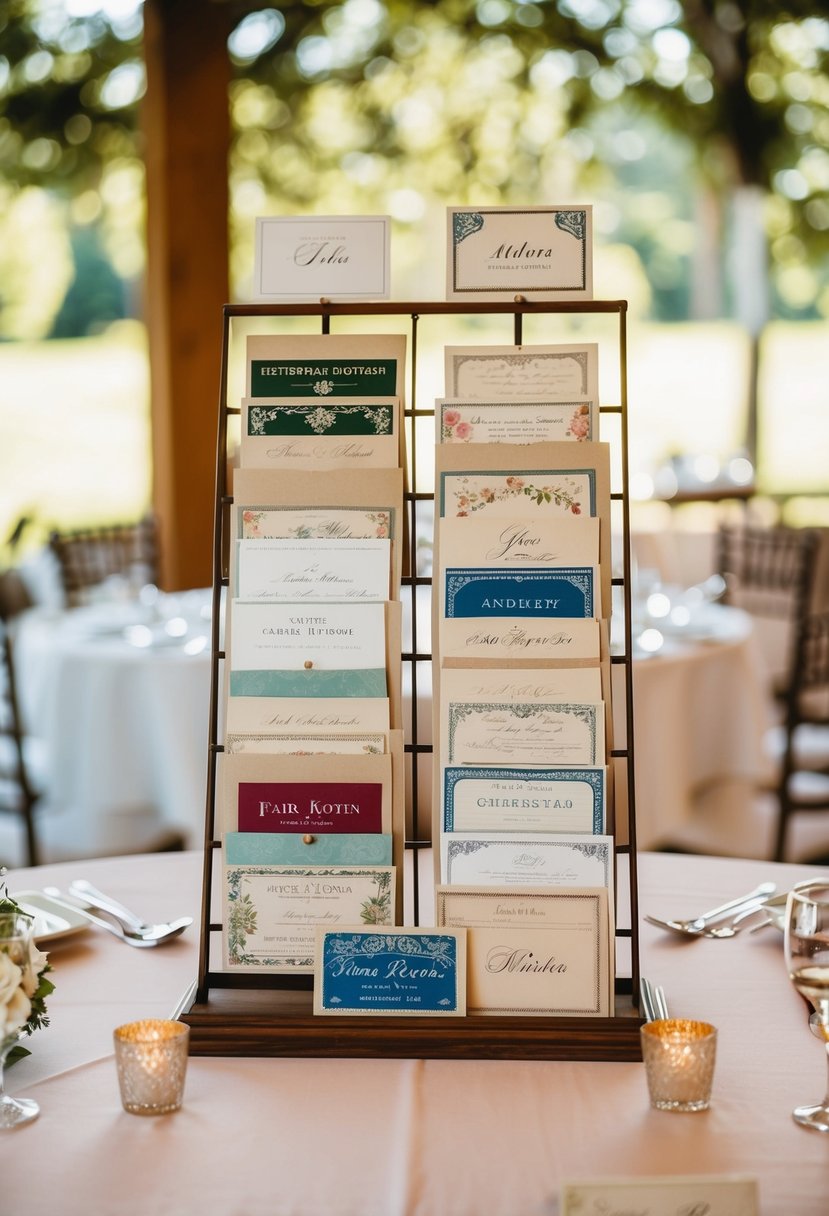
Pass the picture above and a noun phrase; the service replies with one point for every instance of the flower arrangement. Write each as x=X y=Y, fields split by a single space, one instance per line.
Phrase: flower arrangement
x=24 y=985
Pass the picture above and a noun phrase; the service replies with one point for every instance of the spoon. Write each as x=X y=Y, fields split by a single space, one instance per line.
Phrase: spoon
x=696 y=927
x=126 y=935
x=85 y=892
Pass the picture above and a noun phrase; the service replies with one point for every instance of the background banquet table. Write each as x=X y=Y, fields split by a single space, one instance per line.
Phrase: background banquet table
x=343 y=1137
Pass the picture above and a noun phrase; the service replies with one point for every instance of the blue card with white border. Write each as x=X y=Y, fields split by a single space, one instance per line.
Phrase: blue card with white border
x=405 y=972
x=548 y=592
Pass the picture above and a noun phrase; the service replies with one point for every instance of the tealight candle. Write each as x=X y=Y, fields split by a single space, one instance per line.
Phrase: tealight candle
x=679 y=1060
x=151 y=1058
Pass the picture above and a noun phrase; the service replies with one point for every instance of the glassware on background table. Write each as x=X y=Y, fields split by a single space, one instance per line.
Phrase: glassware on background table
x=151 y=1058
x=679 y=1058
x=806 y=947
x=15 y=938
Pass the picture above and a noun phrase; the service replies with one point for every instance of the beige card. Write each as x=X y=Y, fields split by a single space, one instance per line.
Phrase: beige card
x=367 y=743
x=539 y=952
x=294 y=716
x=491 y=373
x=288 y=366
x=342 y=504
x=320 y=434
x=482 y=638
x=481 y=540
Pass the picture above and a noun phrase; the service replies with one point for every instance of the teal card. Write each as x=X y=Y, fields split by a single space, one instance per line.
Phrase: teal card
x=288 y=849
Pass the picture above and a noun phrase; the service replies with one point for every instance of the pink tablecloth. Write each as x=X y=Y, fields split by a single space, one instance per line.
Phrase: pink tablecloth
x=293 y=1137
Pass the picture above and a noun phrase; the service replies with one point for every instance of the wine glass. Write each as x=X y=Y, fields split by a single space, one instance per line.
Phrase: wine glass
x=807 y=959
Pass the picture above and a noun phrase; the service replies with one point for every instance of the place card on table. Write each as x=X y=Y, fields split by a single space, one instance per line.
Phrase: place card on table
x=329 y=433
x=459 y=420
x=271 y=912
x=325 y=365
x=504 y=373
x=695 y=1195
x=520 y=641
x=493 y=798
x=308 y=257
x=534 y=951
x=526 y=859
x=314 y=570
x=321 y=795
x=545 y=253
x=410 y=972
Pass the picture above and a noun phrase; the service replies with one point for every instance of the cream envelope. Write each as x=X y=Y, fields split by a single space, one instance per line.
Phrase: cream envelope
x=537 y=952
x=313 y=570
x=538 y=420
x=520 y=542
x=516 y=372
x=482 y=638
x=346 y=504
x=320 y=434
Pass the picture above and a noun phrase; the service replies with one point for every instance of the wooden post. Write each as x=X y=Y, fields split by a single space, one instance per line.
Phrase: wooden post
x=187 y=132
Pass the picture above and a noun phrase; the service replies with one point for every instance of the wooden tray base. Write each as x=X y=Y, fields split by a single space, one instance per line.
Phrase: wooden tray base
x=258 y=1022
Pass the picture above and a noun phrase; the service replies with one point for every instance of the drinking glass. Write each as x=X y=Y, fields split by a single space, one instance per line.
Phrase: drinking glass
x=807 y=959
x=15 y=936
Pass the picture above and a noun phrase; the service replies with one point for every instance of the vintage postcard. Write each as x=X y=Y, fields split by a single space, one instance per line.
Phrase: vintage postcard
x=458 y=420
x=496 y=253
x=536 y=950
x=505 y=373
x=388 y=971
x=500 y=799
x=312 y=257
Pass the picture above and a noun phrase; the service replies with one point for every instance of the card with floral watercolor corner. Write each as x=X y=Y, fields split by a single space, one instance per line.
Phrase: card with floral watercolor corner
x=544 y=253
x=458 y=420
x=330 y=433
x=515 y=373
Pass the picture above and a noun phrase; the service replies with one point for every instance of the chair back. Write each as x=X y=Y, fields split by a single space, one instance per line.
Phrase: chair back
x=88 y=556
x=17 y=795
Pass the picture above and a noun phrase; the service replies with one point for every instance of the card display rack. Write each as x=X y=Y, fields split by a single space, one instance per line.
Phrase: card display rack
x=256 y=1014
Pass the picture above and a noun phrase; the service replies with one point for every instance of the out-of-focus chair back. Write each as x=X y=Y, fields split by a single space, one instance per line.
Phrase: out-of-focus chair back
x=88 y=556
x=18 y=795
x=804 y=767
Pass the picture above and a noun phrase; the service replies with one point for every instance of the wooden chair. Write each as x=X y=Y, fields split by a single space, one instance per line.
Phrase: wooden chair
x=804 y=782
x=88 y=556
x=18 y=795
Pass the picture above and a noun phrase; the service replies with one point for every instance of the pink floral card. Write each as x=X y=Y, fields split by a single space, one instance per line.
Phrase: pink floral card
x=531 y=421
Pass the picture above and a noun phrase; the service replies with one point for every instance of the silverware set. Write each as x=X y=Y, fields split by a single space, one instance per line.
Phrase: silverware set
x=118 y=919
x=653 y=1002
x=736 y=911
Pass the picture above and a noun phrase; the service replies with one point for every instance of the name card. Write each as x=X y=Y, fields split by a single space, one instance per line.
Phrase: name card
x=307 y=257
x=678 y=1196
x=399 y=971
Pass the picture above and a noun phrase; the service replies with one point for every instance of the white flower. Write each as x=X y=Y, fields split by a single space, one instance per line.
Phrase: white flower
x=10 y=978
x=31 y=976
x=16 y=1013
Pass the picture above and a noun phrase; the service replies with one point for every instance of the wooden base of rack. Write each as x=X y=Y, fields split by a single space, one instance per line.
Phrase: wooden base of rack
x=257 y=1022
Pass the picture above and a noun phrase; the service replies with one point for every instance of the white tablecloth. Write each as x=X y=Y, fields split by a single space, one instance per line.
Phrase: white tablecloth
x=124 y=726
x=343 y=1137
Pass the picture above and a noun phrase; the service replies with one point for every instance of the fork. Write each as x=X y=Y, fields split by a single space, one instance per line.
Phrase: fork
x=695 y=926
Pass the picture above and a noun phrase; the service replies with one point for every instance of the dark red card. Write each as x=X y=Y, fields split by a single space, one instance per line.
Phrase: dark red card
x=326 y=807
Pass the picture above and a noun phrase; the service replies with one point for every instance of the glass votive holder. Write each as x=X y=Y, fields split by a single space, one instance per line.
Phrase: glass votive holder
x=151 y=1059
x=679 y=1060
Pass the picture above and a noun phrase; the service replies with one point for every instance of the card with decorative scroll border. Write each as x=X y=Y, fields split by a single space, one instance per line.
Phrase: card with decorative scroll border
x=460 y=421
x=694 y=1195
x=271 y=912
x=405 y=972
x=493 y=799
x=326 y=365
x=522 y=859
x=335 y=433
x=500 y=252
x=496 y=593
x=529 y=732
x=311 y=257
x=368 y=744
x=533 y=951
x=514 y=373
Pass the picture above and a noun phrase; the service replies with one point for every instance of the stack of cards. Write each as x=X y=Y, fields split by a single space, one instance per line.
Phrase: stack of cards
x=523 y=823
x=311 y=805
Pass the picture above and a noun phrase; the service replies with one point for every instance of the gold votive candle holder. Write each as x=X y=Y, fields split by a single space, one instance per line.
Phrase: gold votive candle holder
x=679 y=1058
x=151 y=1059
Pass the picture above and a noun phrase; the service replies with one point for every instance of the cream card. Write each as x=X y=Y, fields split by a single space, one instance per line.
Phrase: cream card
x=307 y=650
x=519 y=641
x=505 y=373
x=491 y=798
x=313 y=570
x=482 y=540
x=320 y=434
x=309 y=257
x=291 y=716
x=533 y=951
x=458 y=420
x=326 y=365
x=544 y=253
x=543 y=685
x=523 y=732
x=365 y=744
x=526 y=860
x=694 y=1195
x=271 y=912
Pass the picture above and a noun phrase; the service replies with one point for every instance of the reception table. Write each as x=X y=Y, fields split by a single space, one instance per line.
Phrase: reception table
x=347 y=1137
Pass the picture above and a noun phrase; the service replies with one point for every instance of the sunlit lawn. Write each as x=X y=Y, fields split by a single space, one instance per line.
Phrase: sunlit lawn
x=75 y=434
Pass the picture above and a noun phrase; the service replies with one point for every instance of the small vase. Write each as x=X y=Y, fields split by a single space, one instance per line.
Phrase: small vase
x=15 y=935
